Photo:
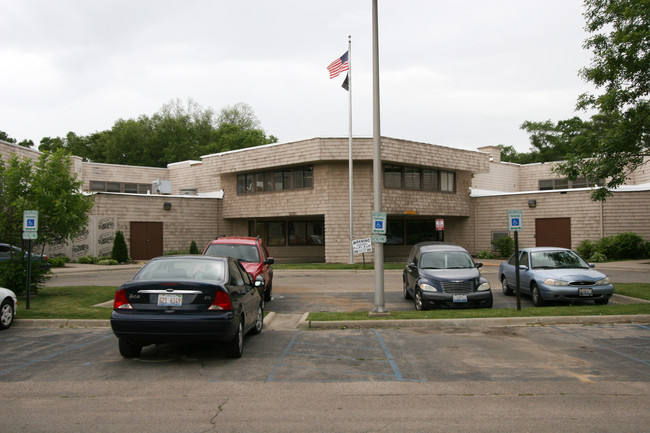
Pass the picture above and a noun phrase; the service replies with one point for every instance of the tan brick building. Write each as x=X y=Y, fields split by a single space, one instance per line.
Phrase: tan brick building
x=296 y=195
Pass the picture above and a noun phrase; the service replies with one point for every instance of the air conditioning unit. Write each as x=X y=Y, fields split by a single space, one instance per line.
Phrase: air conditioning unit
x=159 y=186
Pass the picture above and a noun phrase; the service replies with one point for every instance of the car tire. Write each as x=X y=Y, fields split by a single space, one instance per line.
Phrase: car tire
x=406 y=293
x=419 y=304
x=6 y=314
x=505 y=288
x=128 y=349
x=235 y=347
x=535 y=296
x=259 y=320
x=601 y=301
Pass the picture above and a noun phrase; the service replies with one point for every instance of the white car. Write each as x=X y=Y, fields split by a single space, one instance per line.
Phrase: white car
x=8 y=303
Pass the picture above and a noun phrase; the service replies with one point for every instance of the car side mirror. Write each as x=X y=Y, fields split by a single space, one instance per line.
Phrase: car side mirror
x=592 y=265
x=269 y=260
x=479 y=265
x=523 y=267
x=412 y=265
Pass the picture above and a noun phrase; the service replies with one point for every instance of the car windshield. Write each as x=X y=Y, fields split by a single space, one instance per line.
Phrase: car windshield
x=182 y=269
x=245 y=253
x=556 y=260
x=446 y=260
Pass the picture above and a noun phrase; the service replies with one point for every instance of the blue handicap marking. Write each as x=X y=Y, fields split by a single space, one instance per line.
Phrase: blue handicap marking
x=30 y=222
x=379 y=224
x=515 y=221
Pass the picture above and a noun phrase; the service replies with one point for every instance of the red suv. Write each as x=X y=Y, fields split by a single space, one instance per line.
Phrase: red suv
x=251 y=252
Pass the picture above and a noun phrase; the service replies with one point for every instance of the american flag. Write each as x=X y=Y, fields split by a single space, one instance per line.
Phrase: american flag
x=339 y=65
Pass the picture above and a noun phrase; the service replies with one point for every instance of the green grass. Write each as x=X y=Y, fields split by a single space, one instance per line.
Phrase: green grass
x=635 y=290
x=79 y=303
x=564 y=310
x=67 y=303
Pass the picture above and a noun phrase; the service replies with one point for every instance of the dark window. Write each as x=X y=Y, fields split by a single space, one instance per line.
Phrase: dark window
x=277 y=180
x=392 y=176
x=412 y=178
x=447 y=181
x=429 y=180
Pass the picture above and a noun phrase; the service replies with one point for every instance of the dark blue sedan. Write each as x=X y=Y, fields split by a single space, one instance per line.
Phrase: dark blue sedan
x=188 y=298
x=555 y=274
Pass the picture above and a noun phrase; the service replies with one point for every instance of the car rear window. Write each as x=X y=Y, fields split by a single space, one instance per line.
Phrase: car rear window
x=245 y=253
x=182 y=269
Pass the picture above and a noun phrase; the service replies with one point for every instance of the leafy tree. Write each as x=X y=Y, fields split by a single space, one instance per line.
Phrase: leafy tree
x=49 y=187
x=178 y=132
x=5 y=137
x=615 y=140
x=63 y=210
x=193 y=248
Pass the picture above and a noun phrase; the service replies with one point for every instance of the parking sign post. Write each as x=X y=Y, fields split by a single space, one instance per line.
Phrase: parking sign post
x=516 y=224
x=30 y=232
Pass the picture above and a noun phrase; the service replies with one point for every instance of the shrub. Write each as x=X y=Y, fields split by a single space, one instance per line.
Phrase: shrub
x=623 y=246
x=120 y=252
x=485 y=254
x=87 y=260
x=58 y=262
x=107 y=262
x=13 y=276
x=505 y=245
x=193 y=248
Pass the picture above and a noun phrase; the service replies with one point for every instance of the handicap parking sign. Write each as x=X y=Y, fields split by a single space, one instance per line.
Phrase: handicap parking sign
x=515 y=220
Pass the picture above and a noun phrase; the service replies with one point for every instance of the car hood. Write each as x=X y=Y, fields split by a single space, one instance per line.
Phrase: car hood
x=450 y=274
x=253 y=268
x=571 y=274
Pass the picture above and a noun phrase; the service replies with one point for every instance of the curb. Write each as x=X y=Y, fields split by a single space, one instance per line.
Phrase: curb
x=473 y=323
x=305 y=324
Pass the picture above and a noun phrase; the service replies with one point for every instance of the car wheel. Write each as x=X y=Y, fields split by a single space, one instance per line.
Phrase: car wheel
x=406 y=293
x=507 y=290
x=259 y=320
x=128 y=349
x=535 y=295
x=419 y=305
x=6 y=314
x=235 y=347
x=601 y=301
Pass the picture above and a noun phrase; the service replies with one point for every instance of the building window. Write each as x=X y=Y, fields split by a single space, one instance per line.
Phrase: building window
x=392 y=176
x=581 y=182
x=297 y=232
x=418 y=179
x=276 y=180
x=447 y=181
x=129 y=188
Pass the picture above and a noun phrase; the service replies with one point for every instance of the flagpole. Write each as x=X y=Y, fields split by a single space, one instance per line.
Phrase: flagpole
x=350 y=160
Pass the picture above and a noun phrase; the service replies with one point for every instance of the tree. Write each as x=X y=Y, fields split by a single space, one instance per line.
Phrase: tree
x=63 y=209
x=5 y=137
x=47 y=186
x=615 y=141
x=120 y=252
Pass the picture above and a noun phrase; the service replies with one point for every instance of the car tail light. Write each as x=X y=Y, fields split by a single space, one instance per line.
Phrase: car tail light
x=120 y=301
x=221 y=301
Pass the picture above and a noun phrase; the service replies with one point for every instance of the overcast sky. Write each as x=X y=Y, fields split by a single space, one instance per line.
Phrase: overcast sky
x=458 y=74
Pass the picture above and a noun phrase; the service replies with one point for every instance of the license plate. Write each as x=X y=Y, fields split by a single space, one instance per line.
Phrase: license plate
x=586 y=291
x=165 y=300
x=460 y=298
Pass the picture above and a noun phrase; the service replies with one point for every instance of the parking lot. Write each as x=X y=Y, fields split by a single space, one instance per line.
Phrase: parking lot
x=495 y=378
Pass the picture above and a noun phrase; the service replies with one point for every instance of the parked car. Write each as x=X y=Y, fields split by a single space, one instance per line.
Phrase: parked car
x=7 y=252
x=188 y=298
x=8 y=305
x=253 y=254
x=441 y=274
x=555 y=274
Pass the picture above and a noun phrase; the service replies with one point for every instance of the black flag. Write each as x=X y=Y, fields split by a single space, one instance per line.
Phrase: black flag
x=346 y=84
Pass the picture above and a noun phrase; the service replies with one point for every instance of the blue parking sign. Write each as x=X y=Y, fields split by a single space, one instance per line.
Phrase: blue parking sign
x=515 y=220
